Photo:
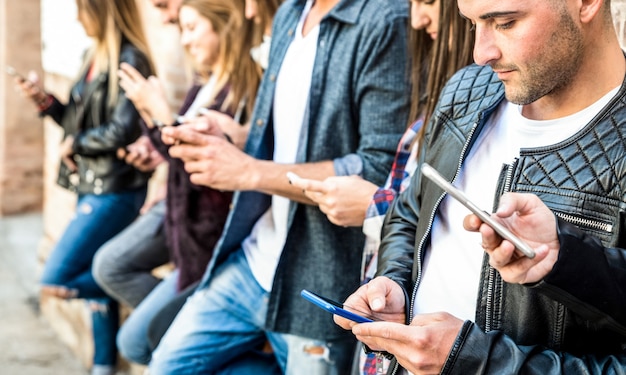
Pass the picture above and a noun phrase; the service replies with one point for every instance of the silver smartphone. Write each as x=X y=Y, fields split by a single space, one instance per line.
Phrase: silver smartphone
x=457 y=194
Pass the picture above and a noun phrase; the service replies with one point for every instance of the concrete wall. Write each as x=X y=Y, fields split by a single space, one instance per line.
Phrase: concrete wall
x=21 y=132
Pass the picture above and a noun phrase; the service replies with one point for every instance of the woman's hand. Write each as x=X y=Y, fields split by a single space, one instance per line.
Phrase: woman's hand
x=220 y=124
x=30 y=88
x=141 y=154
x=67 y=153
x=147 y=95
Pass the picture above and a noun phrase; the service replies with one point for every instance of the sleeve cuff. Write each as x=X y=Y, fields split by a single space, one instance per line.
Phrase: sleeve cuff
x=348 y=165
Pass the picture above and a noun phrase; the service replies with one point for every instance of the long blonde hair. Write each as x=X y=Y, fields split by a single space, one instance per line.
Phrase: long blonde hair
x=114 y=21
x=236 y=35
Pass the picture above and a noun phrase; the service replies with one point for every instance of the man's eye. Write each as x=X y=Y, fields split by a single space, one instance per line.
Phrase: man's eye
x=504 y=26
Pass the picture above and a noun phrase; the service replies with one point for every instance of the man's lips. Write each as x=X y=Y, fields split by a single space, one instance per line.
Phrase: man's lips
x=503 y=73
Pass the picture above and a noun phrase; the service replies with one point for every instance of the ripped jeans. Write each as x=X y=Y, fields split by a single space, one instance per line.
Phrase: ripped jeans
x=315 y=357
x=97 y=219
x=222 y=323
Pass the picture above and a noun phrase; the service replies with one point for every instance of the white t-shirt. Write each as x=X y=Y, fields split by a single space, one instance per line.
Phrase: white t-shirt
x=265 y=244
x=203 y=98
x=452 y=265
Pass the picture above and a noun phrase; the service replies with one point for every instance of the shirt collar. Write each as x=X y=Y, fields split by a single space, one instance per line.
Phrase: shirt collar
x=346 y=11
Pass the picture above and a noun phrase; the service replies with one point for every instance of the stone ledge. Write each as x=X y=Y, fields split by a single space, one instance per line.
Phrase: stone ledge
x=71 y=320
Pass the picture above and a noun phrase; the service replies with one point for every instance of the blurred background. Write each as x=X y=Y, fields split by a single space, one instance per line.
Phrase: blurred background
x=39 y=336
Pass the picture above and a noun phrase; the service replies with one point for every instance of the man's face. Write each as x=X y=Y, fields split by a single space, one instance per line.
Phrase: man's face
x=534 y=46
x=168 y=9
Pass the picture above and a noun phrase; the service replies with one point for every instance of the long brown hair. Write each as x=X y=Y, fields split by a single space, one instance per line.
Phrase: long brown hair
x=114 y=21
x=435 y=61
x=240 y=72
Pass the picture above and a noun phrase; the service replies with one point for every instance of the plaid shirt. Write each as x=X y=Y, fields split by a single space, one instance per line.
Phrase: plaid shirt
x=404 y=165
x=399 y=178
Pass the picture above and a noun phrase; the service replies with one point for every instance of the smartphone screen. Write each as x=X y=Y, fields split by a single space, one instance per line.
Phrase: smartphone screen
x=457 y=194
x=336 y=307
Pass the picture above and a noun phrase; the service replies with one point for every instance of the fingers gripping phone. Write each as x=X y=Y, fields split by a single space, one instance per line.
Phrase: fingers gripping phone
x=343 y=311
x=336 y=307
x=457 y=194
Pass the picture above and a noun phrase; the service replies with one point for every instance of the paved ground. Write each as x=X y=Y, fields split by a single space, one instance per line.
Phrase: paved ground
x=28 y=346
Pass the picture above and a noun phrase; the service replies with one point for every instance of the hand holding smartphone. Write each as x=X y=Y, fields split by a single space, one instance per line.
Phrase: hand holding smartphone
x=432 y=174
x=292 y=177
x=29 y=87
x=336 y=307
x=160 y=124
x=12 y=72
x=308 y=184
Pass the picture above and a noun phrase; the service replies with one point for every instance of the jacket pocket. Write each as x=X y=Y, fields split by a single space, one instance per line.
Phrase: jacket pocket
x=595 y=215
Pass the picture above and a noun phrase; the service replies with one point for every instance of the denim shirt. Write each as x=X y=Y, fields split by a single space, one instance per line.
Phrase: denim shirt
x=357 y=111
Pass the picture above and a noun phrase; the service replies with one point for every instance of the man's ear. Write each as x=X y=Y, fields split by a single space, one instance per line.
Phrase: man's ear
x=590 y=9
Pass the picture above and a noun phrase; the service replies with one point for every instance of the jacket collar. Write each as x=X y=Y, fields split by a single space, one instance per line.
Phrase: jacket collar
x=346 y=11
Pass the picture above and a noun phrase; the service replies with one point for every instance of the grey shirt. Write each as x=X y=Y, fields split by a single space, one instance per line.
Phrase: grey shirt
x=357 y=113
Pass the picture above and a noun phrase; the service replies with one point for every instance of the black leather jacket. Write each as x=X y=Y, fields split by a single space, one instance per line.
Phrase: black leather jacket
x=98 y=132
x=572 y=322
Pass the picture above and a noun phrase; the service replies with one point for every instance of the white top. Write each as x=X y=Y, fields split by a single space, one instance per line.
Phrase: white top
x=203 y=98
x=453 y=261
x=452 y=265
x=265 y=244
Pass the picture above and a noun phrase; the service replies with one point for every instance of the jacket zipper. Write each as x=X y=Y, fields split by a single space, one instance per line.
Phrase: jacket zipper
x=491 y=278
x=579 y=221
x=429 y=229
x=585 y=223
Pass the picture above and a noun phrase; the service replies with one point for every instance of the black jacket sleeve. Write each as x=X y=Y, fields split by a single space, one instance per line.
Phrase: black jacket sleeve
x=122 y=128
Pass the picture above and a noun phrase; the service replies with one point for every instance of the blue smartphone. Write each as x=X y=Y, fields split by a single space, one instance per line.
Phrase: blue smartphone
x=336 y=307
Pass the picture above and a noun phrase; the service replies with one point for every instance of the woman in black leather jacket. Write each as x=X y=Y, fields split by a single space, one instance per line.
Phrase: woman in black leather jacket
x=97 y=120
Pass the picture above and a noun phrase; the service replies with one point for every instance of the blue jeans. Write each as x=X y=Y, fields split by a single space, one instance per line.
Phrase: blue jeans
x=132 y=339
x=97 y=219
x=315 y=357
x=123 y=265
x=219 y=324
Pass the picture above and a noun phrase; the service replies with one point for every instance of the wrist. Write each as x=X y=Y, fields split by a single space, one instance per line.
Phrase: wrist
x=43 y=102
x=254 y=178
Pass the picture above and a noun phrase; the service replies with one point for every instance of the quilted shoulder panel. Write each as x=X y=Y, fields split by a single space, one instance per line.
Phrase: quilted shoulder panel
x=594 y=160
x=470 y=90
